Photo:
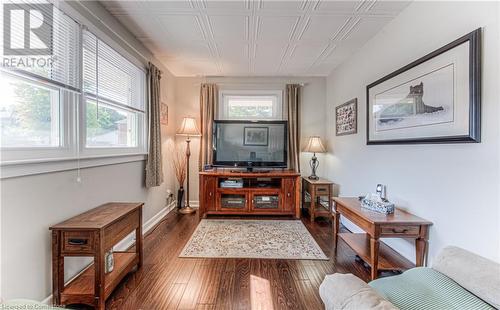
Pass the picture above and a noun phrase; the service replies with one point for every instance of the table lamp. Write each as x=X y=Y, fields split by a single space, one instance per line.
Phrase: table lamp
x=314 y=145
x=189 y=129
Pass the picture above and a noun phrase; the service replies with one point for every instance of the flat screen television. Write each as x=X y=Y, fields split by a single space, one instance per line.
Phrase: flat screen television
x=250 y=144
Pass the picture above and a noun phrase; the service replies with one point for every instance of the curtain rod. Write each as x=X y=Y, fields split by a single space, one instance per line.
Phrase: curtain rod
x=253 y=83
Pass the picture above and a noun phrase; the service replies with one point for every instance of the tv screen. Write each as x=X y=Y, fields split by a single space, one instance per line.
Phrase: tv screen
x=250 y=143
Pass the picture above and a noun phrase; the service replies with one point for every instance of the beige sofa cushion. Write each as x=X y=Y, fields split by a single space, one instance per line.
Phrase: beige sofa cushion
x=346 y=291
x=476 y=274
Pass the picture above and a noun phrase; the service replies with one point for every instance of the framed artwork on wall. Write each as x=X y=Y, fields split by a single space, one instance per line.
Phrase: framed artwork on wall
x=256 y=136
x=346 y=118
x=435 y=99
x=163 y=113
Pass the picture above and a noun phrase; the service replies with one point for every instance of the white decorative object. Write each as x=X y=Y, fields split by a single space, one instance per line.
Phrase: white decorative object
x=109 y=261
x=375 y=203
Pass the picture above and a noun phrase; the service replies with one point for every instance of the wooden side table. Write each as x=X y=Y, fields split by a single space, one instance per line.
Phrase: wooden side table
x=317 y=197
x=93 y=233
x=368 y=246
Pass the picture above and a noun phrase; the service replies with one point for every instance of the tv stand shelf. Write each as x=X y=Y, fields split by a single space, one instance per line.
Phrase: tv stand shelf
x=275 y=192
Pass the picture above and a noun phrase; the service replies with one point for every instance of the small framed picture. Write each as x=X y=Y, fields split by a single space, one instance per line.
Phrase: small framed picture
x=256 y=136
x=163 y=113
x=346 y=118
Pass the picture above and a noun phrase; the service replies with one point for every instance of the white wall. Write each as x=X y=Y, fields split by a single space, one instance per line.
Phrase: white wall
x=312 y=110
x=31 y=204
x=453 y=185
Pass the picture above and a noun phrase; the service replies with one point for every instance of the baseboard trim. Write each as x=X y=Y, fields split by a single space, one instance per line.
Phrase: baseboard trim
x=128 y=241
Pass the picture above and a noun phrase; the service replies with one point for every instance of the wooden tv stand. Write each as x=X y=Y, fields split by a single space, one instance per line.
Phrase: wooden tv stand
x=276 y=192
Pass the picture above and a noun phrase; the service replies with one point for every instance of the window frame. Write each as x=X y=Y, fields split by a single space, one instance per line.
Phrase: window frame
x=96 y=151
x=66 y=149
x=222 y=107
x=142 y=116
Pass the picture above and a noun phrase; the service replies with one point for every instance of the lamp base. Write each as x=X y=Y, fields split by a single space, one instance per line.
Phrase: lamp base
x=314 y=163
x=187 y=210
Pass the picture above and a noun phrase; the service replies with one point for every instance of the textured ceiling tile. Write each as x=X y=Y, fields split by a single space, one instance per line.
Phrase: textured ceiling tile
x=227 y=5
x=229 y=27
x=340 y=6
x=322 y=28
x=276 y=28
x=389 y=6
x=282 y=5
x=254 y=37
x=180 y=27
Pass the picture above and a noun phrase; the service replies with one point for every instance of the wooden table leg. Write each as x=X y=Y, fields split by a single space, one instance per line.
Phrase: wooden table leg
x=421 y=251
x=374 y=247
x=298 y=194
x=421 y=246
x=100 y=299
x=336 y=223
x=138 y=241
x=57 y=268
x=312 y=208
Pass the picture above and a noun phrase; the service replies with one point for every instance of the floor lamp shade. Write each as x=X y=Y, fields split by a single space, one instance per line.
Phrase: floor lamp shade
x=188 y=128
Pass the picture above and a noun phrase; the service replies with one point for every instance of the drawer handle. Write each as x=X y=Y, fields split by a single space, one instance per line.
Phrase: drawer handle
x=210 y=194
x=78 y=241
x=288 y=194
x=403 y=231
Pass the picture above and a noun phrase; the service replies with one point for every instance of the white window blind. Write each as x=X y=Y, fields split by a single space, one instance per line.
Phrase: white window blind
x=110 y=77
x=44 y=42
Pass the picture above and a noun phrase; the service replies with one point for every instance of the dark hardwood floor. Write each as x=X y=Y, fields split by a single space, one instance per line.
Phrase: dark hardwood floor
x=168 y=282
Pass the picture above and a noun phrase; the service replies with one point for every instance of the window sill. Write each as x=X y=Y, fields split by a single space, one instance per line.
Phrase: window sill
x=33 y=167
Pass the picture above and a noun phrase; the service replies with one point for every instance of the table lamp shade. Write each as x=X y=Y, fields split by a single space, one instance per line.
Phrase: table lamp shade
x=314 y=145
x=188 y=127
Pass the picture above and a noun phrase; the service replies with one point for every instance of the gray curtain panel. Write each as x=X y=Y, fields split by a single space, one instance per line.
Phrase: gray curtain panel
x=208 y=104
x=292 y=101
x=154 y=164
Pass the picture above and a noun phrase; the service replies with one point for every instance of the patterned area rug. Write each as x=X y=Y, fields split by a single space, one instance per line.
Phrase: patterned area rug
x=281 y=239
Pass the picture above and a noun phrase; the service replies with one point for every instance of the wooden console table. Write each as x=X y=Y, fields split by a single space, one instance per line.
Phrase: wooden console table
x=319 y=193
x=275 y=192
x=379 y=256
x=93 y=233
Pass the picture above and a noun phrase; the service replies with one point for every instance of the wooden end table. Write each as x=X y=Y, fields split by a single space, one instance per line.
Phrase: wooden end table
x=320 y=194
x=92 y=234
x=368 y=246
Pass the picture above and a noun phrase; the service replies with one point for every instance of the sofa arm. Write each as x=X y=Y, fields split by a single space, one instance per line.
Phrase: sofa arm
x=476 y=274
x=346 y=291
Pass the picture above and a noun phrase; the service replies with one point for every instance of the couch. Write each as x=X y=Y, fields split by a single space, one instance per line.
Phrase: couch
x=458 y=279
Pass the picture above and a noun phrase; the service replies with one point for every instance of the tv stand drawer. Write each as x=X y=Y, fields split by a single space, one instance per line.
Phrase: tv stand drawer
x=232 y=202
x=263 y=201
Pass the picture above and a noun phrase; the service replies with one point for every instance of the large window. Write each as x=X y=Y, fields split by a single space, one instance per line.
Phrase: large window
x=114 y=91
x=109 y=126
x=68 y=94
x=29 y=114
x=250 y=105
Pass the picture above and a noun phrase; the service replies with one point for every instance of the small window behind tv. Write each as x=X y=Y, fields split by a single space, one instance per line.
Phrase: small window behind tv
x=250 y=105
x=263 y=143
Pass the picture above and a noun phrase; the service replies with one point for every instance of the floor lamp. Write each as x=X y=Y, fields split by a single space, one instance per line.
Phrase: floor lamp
x=189 y=129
